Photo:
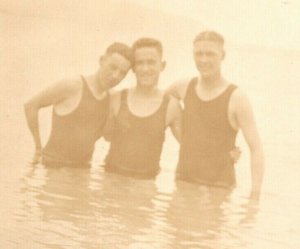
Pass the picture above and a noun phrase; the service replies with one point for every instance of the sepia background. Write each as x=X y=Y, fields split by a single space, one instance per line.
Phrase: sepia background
x=44 y=41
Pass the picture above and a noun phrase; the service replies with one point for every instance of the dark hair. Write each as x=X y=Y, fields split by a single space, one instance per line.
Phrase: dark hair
x=147 y=42
x=122 y=49
x=209 y=35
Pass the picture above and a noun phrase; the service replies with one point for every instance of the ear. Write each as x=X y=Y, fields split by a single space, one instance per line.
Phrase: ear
x=133 y=68
x=101 y=59
x=223 y=55
x=163 y=65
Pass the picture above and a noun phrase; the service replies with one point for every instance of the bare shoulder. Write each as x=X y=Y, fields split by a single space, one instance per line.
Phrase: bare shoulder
x=69 y=85
x=239 y=99
x=64 y=87
x=178 y=88
x=56 y=92
x=241 y=108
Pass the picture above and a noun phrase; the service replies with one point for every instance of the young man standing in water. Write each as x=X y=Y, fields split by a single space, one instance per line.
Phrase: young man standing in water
x=214 y=111
x=141 y=115
x=80 y=109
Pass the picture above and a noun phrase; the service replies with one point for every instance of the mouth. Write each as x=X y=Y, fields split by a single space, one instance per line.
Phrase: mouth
x=146 y=77
x=110 y=83
x=204 y=69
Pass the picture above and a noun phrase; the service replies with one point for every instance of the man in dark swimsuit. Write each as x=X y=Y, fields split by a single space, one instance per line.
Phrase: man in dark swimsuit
x=80 y=109
x=141 y=115
x=214 y=111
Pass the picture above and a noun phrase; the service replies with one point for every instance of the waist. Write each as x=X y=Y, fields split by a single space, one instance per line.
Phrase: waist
x=224 y=183
x=131 y=172
x=52 y=161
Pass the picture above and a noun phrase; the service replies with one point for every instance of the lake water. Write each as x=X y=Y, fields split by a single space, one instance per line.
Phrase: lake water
x=88 y=208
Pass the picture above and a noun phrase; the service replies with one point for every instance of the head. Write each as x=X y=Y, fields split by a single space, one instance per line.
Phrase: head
x=208 y=50
x=114 y=65
x=148 y=62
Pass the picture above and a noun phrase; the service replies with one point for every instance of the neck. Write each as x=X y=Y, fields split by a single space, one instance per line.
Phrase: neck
x=95 y=83
x=212 y=81
x=146 y=90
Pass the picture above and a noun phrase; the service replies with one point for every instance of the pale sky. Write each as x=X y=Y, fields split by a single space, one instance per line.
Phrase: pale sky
x=270 y=23
x=273 y=23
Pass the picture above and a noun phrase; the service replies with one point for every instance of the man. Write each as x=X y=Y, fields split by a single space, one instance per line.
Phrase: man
x=141 y=115
x=214 y=111
x=80 y=109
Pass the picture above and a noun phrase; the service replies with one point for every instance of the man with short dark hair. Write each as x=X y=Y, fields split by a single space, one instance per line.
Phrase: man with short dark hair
x=214 y=111
x=80 y=109
x=141 y=115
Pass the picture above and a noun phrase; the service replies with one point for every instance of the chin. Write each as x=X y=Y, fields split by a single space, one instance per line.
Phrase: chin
x=147 y=84
x=206 y=75
x=150 y=85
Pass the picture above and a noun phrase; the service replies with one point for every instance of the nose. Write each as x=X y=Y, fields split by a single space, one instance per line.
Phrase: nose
x=144 y=67
x=203 y=58
x=116 y=74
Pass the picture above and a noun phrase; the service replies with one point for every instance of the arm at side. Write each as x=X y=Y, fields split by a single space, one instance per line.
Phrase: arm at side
x=245 y=120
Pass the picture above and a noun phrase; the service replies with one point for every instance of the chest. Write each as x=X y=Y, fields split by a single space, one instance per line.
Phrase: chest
x=69 y=104
x=144 y=107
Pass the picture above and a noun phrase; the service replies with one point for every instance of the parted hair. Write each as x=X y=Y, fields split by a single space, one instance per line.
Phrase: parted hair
x=148 y=42
x=209 y=35
x=122 y=49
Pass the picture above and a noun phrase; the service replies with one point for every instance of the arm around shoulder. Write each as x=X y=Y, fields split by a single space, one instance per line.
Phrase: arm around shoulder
x=178 y=89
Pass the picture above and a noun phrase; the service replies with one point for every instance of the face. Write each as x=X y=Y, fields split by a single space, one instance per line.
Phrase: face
x=208 y=56
x=114 y=68
x=148 y=65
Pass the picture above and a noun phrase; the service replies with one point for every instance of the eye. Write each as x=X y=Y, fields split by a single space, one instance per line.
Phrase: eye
x=152 y=62
x=198 y=54
x=113 y=67
x=137 y=63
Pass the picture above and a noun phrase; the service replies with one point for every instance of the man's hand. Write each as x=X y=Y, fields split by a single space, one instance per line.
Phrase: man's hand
x=254 y=195
x=37 y=157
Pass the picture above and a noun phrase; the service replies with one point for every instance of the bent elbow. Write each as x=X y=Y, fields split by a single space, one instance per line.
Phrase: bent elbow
x=30 y=107
x=27 y=106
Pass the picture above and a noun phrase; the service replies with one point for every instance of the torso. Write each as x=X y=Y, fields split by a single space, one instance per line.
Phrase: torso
x=141 y=106
x=70 y=103
x=210 y=95
x=76 y=124
x=137 y=139
x=208 y=135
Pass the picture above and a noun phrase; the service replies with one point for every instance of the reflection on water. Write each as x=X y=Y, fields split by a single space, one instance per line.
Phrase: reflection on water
x=88 y=208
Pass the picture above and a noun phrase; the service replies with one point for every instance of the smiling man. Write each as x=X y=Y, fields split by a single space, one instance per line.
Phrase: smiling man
x=80 y=110
x=214 y=111
x=141 y=115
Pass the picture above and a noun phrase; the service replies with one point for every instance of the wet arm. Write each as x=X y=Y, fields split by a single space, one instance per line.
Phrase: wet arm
x=174 y=118
x=178 y=89
x=50 y=96
x=114 y=107
x=246 y=122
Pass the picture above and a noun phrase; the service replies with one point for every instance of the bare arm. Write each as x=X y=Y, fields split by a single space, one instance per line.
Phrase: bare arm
x=51 y=96
x=178 y=89
x=114 y=106
x=245 y=120
x=174 y=118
